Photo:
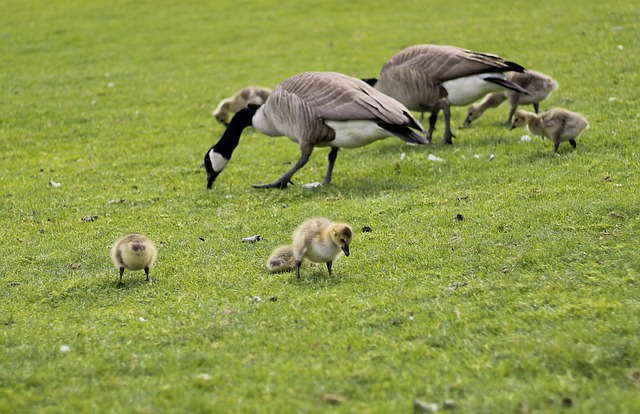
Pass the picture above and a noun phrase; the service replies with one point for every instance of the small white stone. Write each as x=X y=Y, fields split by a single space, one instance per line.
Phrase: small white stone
x=141 y=319
x=620 y=47
x=432 y=157
x=612 y=99
x=525 y=138
x=476 y=156
x=402 y=156
x=65 y=348
x=54 y=184
x=257 y=299
x=204 y=377
x=312 y=185
x=111 y=84
x=491 y=157
x=228 y=196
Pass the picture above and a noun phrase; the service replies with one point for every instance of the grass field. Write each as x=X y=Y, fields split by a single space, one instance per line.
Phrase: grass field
x=529 y=304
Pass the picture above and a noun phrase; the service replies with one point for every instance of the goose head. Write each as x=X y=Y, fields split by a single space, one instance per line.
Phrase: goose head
x=520 y=119
x=341 y=235
x=219 y=155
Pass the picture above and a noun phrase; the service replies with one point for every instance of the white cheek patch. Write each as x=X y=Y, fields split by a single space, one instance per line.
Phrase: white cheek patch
x=218 y=162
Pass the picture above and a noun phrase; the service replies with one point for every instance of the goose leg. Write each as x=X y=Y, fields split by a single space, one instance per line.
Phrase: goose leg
x=283 y=181
x=447 y=123
x=512 y=110
x=555 y=147
x=329 y=264
x=332 y=161
x=432 y=123
x=573 y=143
x=536 y=107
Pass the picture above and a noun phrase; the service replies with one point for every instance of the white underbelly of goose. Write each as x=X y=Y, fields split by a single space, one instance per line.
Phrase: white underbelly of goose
x=354 y=134
x=466 y=90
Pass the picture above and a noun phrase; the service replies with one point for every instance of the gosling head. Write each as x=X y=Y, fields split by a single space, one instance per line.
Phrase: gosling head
x=222 y=117
x=520 y=119
x=473 y=113
x=341 y=234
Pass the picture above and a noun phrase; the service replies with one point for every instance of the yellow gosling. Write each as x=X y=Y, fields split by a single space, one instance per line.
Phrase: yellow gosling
x=133 y=252
x=557 y=124
x=320 y=241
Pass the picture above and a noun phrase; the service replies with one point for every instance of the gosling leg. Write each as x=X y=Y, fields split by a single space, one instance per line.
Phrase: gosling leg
x=297 y=267
x=146 y=271
x=329 y=264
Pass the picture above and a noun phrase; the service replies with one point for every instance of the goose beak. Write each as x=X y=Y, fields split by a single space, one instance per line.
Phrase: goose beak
x=345 y=249
x=211 y=177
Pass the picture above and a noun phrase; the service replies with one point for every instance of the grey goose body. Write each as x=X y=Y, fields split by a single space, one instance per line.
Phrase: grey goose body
x=318 y=109
x=430 y=78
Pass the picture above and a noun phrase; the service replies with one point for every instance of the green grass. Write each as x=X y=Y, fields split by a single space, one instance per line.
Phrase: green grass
x=531 y=299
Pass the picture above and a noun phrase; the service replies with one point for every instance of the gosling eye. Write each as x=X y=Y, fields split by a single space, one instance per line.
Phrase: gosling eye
x=343 y=241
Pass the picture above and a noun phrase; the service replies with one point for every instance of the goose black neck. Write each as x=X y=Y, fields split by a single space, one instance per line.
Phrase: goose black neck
x=231 y=137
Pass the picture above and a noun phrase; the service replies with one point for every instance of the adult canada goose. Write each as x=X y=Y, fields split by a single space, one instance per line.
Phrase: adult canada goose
x=539 y=86
x=428 y=78
x=557 y=124
x=320 y=241
x=133 y=252
x=250 y=95
x=318 y=109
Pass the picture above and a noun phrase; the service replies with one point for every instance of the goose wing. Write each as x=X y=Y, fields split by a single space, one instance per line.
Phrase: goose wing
x=444 y=63
x=333 y=96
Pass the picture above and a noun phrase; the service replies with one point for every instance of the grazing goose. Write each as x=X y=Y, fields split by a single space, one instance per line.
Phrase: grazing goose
x=428 y=78
x=250 y=95
x=133 y=252
x=320 y=241
x=539 y=86
x=318 y=109
x=282 y=260
x=557 y=124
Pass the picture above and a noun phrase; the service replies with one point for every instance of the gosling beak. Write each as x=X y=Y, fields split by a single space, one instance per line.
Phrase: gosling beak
x=345 y=249
x=513 y=126
x=466 y=122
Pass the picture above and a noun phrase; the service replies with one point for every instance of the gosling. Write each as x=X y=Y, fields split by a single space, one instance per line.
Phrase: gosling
x=282 y=260
x=320 y=241
x=133 y=252
x=537 y=84
x=557 y=124
x=250 y=95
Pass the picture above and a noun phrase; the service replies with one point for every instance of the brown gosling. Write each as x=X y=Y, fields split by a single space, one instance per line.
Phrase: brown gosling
x=557 y=124
x=538 y=85
x=320 y=241
x=282 y=260
x=133 y=252
x=250 y=95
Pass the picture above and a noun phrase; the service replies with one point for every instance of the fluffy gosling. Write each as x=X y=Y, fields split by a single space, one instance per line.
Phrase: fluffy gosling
x=250 y=95
x=557 y=124
x=282 y=260
x=537 y=84
x=320 y=241
x=133 y=252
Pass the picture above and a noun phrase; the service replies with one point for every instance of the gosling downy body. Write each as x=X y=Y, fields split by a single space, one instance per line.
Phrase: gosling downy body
x=282 y=260
x=539 y=86
x=318 y=109
x=256 y=95
x=430 y=78
x=320 y=241
x=557 y=124
x=133 y=252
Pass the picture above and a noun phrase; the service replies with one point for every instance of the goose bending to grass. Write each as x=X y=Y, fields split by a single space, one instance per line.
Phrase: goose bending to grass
x=133 y=252
x=250 y=95
x=318 y=109
x=283 y=260
x=430 y=78
x=557 y=124
x=539 y=86
x=320 y=241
